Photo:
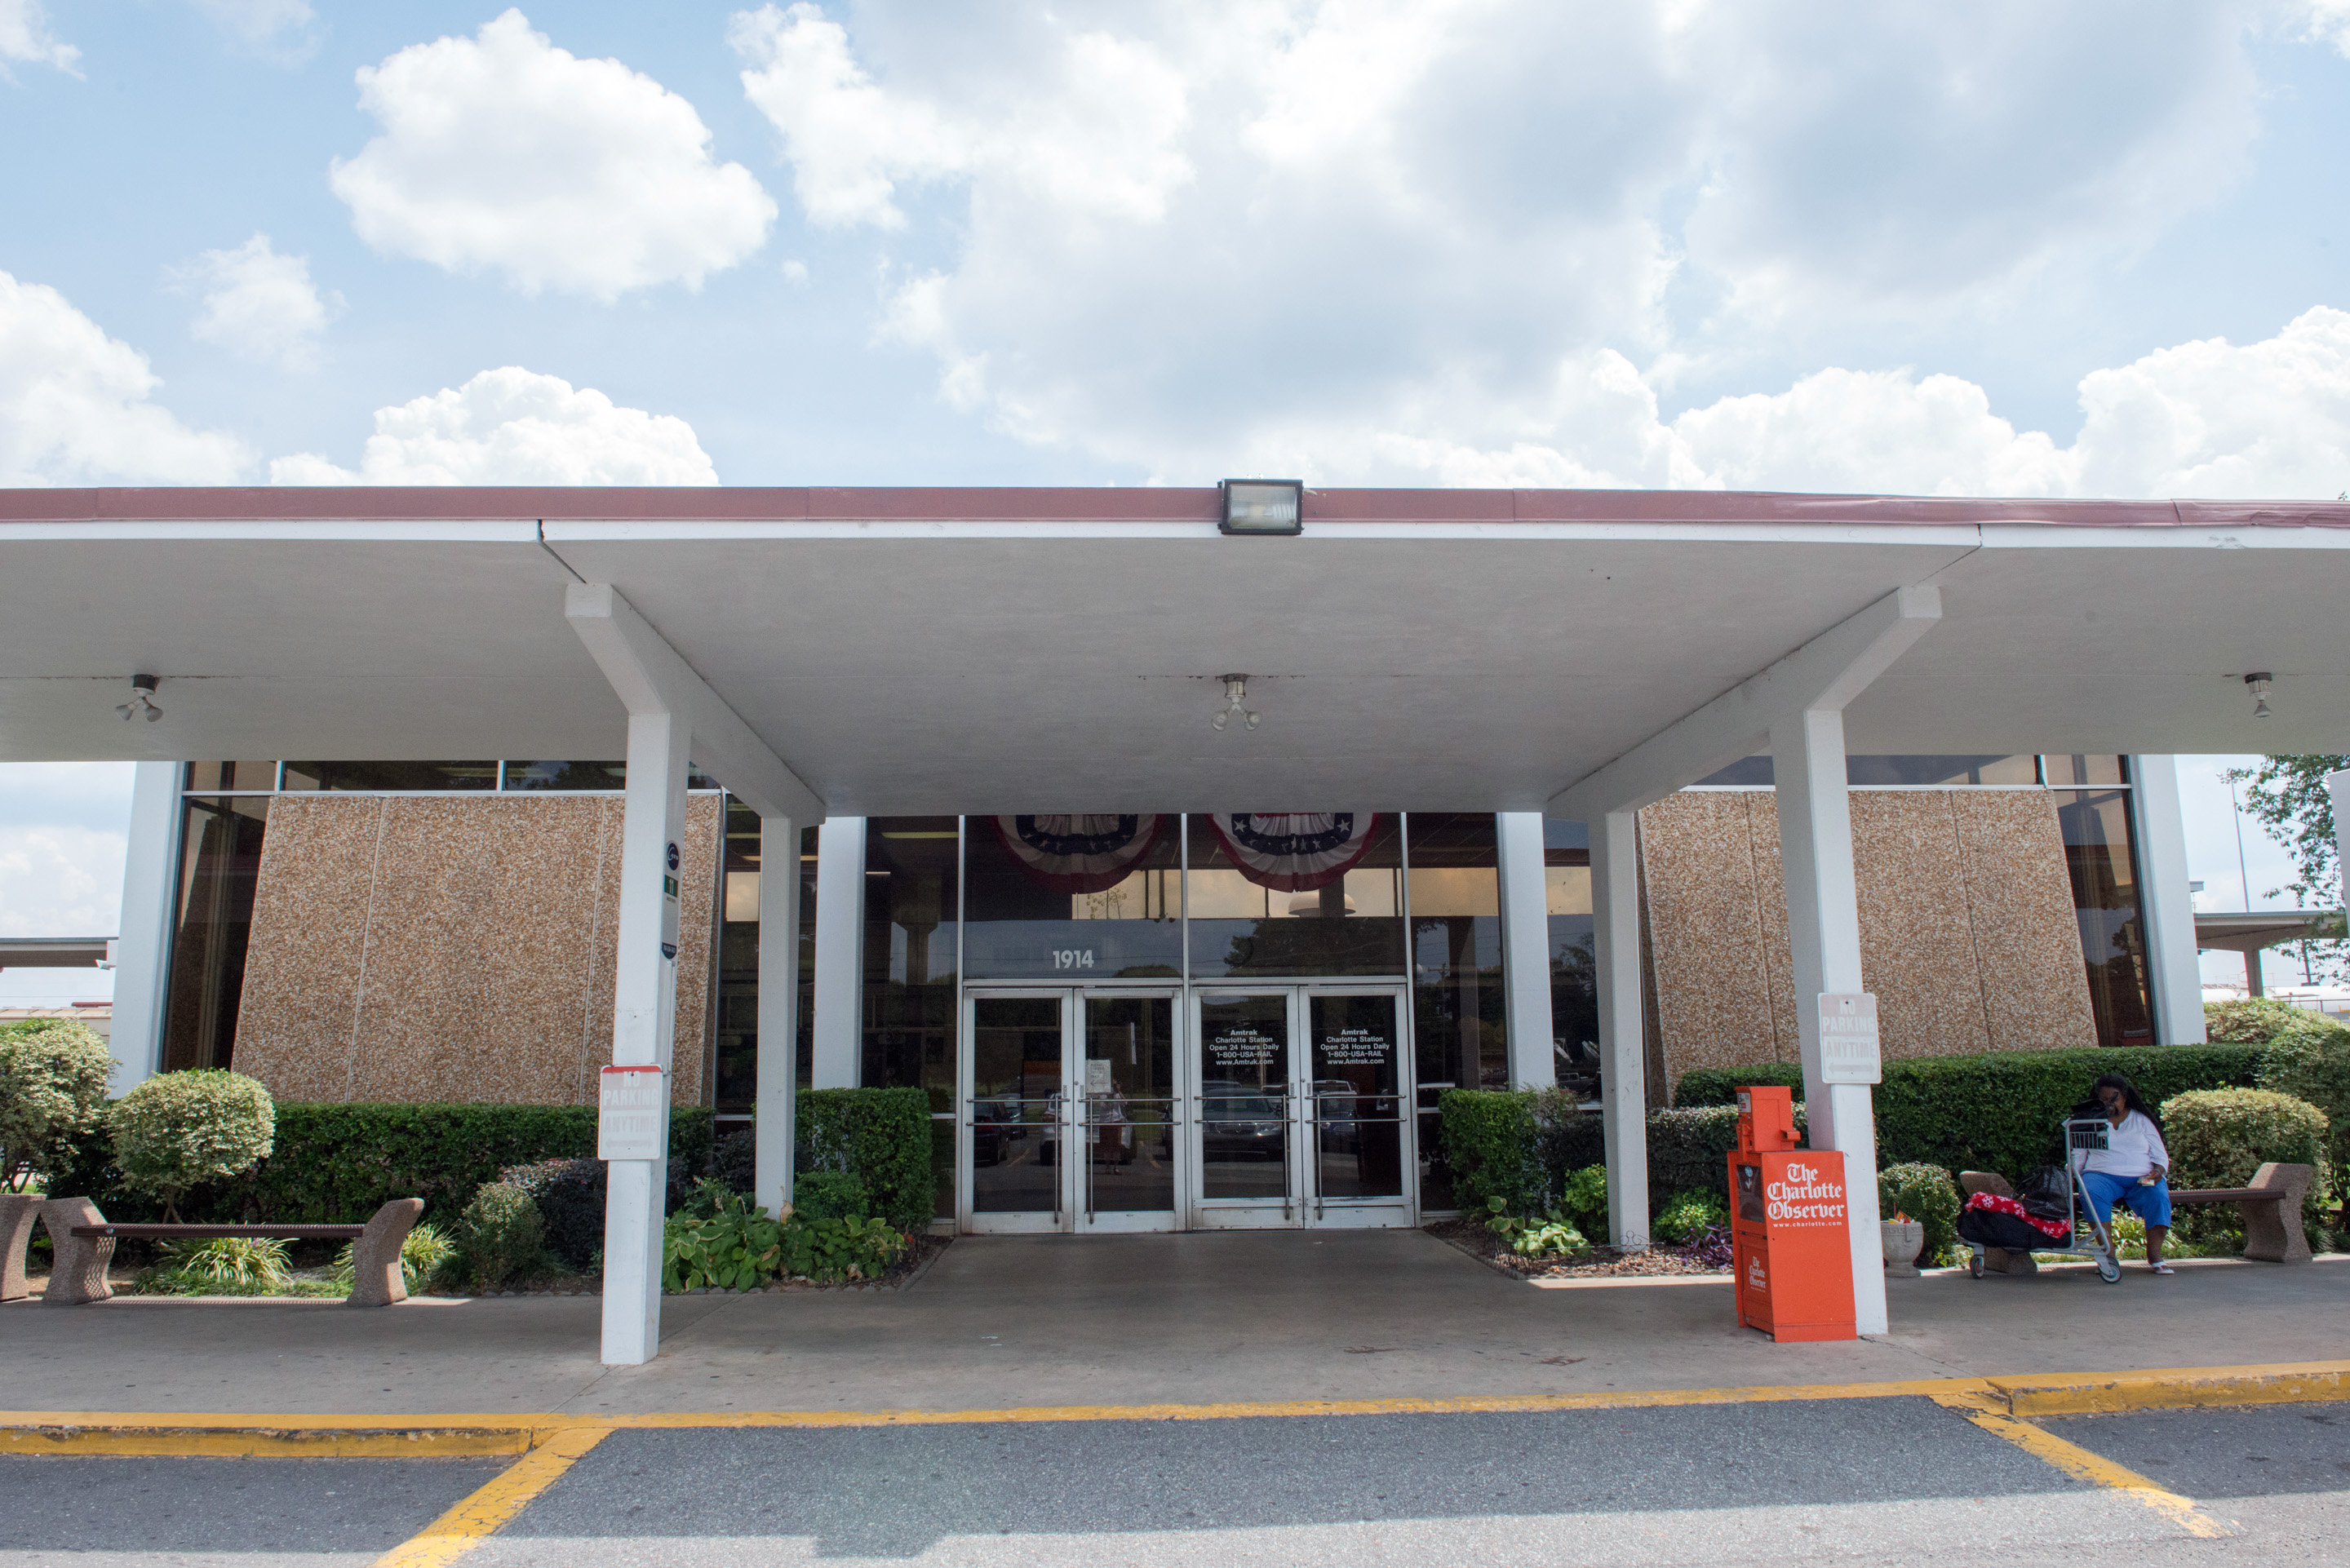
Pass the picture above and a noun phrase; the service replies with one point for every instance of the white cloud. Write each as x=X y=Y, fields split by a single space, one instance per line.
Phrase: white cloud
x=512 y=426
x=259 y=304
x=280 y=30
x=25 y=36
x=2327 y=21
x=504 y=151
x=77 y=407
x=62 y=834
x=1174 y=236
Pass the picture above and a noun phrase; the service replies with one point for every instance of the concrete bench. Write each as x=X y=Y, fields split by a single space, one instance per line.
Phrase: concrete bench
x=2271 y=1208
x=84 y=1242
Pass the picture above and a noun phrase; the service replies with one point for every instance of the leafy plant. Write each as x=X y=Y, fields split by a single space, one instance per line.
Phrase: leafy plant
x=829 y=1194
x=735 y=1160
x=1552 y=1236
x=1927 y=1195
x=1489 y=1141
x=1583 y=1198
x=501 y=1232
x=2310 y=1060
x=178 y=1129
x=2220 y=1138
x=2287 y=795
x=730 y=1244
x=226 y=1265
x=2253 y=1020
x=425 y=1254
x=53 y=1078
x=1689 y=1216
x=830 y=1251
x=882 y=1136
x=571 y=1197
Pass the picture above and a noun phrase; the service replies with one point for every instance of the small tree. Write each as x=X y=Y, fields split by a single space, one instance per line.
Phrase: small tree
x=2287 y=796
x=53 y=1076
x=178 y=1130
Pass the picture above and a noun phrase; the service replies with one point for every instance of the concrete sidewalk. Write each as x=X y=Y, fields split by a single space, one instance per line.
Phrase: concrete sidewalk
x=1186 y=1319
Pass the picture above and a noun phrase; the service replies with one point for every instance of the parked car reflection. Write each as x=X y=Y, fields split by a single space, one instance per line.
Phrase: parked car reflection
x=1241 y=1121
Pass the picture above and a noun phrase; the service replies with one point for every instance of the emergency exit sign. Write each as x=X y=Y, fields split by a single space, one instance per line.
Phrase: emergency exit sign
x=1848 y=1046
x=629 y=1113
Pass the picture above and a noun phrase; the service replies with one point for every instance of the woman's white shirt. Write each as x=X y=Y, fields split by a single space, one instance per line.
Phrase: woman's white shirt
x=2132 y=1149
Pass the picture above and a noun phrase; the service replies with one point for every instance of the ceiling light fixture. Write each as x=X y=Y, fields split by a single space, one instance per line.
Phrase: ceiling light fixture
x=2257 y=683
x=142 y=700
x=1235 y=693
x=1263 y=506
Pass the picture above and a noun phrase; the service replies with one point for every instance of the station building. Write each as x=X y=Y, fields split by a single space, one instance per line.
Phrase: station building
x=957 y=789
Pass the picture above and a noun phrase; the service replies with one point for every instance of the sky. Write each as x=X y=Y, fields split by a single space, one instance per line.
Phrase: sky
x=2006 y=248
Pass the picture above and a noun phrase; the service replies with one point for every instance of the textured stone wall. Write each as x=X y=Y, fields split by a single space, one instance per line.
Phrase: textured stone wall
x=455 y=948
x=1967 y=930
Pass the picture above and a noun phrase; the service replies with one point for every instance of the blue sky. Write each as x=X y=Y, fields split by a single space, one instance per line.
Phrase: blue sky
x=2003 y=249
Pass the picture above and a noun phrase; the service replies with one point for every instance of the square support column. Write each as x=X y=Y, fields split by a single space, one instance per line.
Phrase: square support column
x=1824 y=934
x=1624 y=1089
x=779 y=1009
x=644 y=1025
x=839 y=952
x=2169 y=904
x=1525 y=949
x=142 y=952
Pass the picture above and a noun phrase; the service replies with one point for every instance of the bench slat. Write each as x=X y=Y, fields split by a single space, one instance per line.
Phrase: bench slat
x=2228 y=1195
x=212 y=1232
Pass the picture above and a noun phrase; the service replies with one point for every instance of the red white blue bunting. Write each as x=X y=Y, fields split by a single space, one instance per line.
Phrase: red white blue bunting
x=1078 y=853
x=1294 y=851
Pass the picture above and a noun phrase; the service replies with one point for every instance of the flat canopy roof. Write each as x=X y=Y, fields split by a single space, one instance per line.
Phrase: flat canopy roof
x=1015 y=649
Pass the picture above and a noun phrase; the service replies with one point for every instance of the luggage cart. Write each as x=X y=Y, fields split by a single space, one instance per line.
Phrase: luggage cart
x=2091 y=1238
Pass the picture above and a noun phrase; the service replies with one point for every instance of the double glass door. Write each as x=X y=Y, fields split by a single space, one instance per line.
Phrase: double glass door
x=1126 y=1110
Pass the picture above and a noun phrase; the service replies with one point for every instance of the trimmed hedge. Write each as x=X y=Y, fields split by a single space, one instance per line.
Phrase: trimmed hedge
x=337 y=1164
x=1999 y=1112
x=1522 y=1147
x=1488 y=1140
x=2220 y=1137
x=882 y=1137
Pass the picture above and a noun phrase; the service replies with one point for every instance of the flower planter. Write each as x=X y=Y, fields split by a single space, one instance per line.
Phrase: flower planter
x=1903 y=1241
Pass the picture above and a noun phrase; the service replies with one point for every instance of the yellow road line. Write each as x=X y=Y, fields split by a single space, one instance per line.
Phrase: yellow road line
x=2082 y=1464
x=494 y=1505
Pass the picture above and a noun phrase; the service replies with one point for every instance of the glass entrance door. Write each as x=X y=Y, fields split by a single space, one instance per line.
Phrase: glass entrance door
x=1070 y=1107
x=1302 y=1096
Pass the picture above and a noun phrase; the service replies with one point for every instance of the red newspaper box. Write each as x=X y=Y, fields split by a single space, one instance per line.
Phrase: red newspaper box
x=1788 y=1226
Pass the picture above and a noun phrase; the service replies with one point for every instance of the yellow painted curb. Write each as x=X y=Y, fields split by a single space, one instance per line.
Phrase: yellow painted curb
x=162 y=1435
x=2177 y=1387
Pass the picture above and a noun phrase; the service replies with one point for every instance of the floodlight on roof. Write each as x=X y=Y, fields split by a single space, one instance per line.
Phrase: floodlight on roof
x=142 y=700
x=1264 y=505
x=2258 y=685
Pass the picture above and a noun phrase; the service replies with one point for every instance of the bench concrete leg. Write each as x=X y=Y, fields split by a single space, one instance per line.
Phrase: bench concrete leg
x=2272 y=1233
x=375 y=1277
x=77 y=1263
x=1999 y=1260
x=17 y=1212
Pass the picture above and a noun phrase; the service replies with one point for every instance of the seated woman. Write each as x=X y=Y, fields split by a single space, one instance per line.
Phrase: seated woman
x=2133 y=1168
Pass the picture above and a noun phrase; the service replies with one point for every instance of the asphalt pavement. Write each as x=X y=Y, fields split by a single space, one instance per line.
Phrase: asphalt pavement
x=1869 y=1480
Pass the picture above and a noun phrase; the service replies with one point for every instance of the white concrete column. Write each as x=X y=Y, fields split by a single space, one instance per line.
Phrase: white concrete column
x=1525 y=949
x=1823 y=932
x=644 y=1021
x=1624 y=1088
x=2164 y=900
x=839 y=952
x=143 y=949
x=779 y=1008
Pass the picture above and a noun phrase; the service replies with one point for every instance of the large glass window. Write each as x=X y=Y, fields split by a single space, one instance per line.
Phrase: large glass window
x=737 y=1055
x=1573 y=963
x=910 y=930
x=1299 y=895
x=1457 y=1017
x=433 y=776
x=1073 y=898
x=220 y=866
x=2099 y=855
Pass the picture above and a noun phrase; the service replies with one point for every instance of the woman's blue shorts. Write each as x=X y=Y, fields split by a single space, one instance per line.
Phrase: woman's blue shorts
x=2151 y=1204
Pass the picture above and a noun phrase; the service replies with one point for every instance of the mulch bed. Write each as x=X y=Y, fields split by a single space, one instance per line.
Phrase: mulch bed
x=1601 y=1262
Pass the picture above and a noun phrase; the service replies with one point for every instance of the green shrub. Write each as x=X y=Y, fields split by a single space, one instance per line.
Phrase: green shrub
x=2254 y=1021
x=832 y=1251
x=338 y=1163
x=830 y=1195
x=882 y=1136
x=735 y=1160
x=1489 y=1141
x=2220 y=1138
x=1552 y=1236
x=424 y=1253
x=2313 y=1064
x=1927 y=1194
x=53 y=1078
x=1583 y=1199
x=1999 y=1112
x=1689 y=1148
x=225 y=1265
x=731 y=1244
x=501 y=1233
x=1686 y=1216
x=178 y=1129
x=571 y=1197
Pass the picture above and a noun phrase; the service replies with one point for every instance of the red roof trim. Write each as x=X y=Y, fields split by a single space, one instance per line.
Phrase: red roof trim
x=749 y=504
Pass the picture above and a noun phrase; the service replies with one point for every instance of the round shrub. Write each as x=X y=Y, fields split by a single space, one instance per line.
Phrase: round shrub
x=2220 y=1138
x=2254 y=1021
x=179 y=1131
x=53 y=1077
x=501 y=1233
x=1927 y=1194
x=2311 y=1061
x=571 y=1197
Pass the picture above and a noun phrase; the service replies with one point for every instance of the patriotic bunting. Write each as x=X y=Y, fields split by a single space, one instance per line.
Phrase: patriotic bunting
x=1078 y=853
x=1294 y=851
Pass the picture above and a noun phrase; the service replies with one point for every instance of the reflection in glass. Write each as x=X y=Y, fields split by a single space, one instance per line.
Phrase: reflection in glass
x=421 y=777
x=212 y=778
x=1574 y=964
x=1357 y=1097
x=219 y=866
x=1130 y=1102
x=736 y=1052
x=2103 y=864
x=1349 y=927
x=1015 y=1052
x=1243 y=1097
x=1025 y=924
x=909 y=956
x=2078 y=769
x=1456 y=928
x=566 y=775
